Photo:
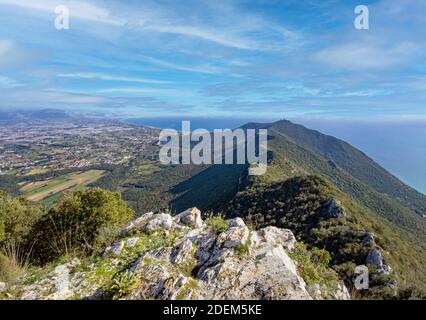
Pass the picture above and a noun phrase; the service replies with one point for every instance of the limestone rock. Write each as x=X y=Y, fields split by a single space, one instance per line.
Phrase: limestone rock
x=341 y=293
x=137 y=223
x=114 y=250
x=368 y=239
x=182 y=258
x=315 y=291
x=190 y=217
x=374 y=257
x=237 y=234
x=131 y=242
x=181 y=252
x=159 y=221
x=333 y=209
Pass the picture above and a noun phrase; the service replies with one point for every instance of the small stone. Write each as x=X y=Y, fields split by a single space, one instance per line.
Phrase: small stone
x=182 y=252
x=160 y=221
x=374 y=258
x=190 y=217
x=2 y=287
x=236 y=222
x=138 y=223
x=333 y=209
x=275 y=235
x=368 y=239
x=341 y=293
x=315 y=291
x=131 y=242
x=235 y=236
x=114 y=250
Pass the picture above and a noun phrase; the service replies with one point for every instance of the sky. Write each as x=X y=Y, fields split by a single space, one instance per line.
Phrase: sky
x=230 y=58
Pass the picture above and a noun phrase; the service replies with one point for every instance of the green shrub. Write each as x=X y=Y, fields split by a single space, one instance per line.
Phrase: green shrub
x=243 y=249
x=121 y=285
x=17 y=219
x=78 y=222
x=217 y=223
x=314 y=267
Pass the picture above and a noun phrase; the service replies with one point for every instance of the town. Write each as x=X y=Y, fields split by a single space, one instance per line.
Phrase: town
x=34 y=148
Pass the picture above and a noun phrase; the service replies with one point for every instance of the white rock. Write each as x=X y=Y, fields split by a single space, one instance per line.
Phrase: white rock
x=181 y=252
x=131 y=242
x=2 y=287
x=341 y=293
x=219 y=271
x=275 y=235
x=137 y=223
x=315 y=291
x=190 y=217
x=159 y=221
x=62 y=284
x=236 y=222
x=114 y=250
x=235 y=236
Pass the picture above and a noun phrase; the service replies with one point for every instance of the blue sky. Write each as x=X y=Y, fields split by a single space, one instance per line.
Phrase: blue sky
x=241 y=59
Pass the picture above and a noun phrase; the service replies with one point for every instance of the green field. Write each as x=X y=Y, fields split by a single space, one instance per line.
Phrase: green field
x=49 y=190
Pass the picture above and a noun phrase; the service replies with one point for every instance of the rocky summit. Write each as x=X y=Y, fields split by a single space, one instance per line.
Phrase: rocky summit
x=159 y=256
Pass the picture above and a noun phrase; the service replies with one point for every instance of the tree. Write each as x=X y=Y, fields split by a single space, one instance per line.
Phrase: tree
x=17 y=219
x=74 y=224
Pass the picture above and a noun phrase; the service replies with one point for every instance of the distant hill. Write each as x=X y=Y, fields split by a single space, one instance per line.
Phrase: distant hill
x=11 y=117
x=296 y=150
x=354 y=162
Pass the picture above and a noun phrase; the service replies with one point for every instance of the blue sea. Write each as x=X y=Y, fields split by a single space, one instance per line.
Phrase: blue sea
x=400 y=147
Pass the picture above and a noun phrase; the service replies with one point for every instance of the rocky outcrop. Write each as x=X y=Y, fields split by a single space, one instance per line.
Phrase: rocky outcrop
x=375 y=259
x=182 y=257
x=368 y=239
x=333 y=209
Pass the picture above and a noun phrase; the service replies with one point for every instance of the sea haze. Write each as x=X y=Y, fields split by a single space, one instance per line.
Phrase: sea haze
x=400 y=147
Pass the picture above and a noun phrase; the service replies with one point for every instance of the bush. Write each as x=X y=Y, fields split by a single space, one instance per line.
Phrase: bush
x=121 y=285
x=243 y=249
x=17 y=219
x=77 y=223
x=217 y=223
x=314 y=267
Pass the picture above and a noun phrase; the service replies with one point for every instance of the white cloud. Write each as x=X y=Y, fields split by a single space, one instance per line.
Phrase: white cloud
x=205 y=68
x=7 y=83
x=13 y=57
x=107 y=77
x=229 y=28
x=46 y=97
x=365 y=55
x=204 y=34
x=78 y=9
x=5 y=47
x=147 y=91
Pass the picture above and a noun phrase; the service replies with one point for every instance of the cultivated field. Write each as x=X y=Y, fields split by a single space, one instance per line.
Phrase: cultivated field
x=51 y=188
